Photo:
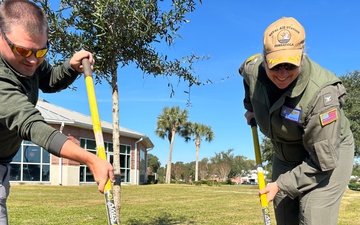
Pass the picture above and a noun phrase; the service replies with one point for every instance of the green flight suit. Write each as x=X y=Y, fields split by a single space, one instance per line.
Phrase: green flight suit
x=311 y=136
x=20 y=120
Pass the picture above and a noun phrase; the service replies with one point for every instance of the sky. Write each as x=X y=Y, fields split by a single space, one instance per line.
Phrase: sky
x=229 y=32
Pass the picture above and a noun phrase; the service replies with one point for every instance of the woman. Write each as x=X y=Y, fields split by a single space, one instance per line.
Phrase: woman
x=298 y=105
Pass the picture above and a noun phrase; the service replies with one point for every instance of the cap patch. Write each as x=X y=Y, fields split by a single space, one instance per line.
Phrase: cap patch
x=284 y=37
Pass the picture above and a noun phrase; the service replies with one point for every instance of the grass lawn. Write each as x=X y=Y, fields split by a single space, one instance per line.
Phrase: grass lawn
x=151 y=205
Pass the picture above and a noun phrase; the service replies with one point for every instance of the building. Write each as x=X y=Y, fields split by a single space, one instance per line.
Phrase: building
x=33 y=164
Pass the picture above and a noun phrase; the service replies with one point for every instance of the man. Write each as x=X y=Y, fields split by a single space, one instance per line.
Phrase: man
x=23 y=71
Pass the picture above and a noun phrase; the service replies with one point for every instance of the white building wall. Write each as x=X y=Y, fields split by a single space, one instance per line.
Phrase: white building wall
x=70 y=175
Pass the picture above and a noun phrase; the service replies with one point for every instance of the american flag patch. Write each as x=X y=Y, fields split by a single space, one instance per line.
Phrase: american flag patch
x=328 y=117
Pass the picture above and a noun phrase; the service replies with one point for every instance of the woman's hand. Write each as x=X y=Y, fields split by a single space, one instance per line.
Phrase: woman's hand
x=249 y=115
x=270 y=190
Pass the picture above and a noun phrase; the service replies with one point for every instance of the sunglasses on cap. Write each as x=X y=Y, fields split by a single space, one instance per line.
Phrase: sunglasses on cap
x=287 y=66
x=25 y=52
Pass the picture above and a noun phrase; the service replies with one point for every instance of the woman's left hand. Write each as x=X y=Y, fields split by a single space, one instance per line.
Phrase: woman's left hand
x=270 y=190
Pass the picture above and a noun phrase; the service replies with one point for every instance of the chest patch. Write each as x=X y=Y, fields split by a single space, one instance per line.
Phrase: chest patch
x=328 y=117
x=290 y=113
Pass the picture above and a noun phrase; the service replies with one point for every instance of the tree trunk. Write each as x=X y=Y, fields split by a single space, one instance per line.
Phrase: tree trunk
x=116 y=146
x=168 y=168
x=197 y=143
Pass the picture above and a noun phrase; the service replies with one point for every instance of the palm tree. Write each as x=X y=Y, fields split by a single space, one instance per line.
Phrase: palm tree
x=198 y=131
x=171 y=121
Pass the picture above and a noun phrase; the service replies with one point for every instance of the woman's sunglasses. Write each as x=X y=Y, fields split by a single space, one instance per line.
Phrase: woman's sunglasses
x=287 y=66
x=25 y=52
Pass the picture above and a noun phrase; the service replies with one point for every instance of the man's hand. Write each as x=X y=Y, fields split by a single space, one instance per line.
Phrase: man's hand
x=76 y=60
x=102 y=171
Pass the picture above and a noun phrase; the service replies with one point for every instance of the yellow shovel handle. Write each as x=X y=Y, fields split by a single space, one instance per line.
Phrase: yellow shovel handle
x=108 y=191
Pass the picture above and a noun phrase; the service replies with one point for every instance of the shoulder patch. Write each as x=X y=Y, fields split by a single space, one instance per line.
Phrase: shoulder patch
x=328 y=99
x=328 y=117
x=252 y=58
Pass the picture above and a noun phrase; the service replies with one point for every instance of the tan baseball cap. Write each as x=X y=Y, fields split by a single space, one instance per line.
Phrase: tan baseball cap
x=284 y=42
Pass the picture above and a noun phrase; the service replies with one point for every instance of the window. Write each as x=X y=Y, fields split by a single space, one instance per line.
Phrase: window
x=31 y=163
x=125 y=162
x=85 y=173
x=142 y=169
x=90 y=145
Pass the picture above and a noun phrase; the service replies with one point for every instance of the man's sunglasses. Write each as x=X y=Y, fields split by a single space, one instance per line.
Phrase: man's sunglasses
x=25 y=52
x=287 y=66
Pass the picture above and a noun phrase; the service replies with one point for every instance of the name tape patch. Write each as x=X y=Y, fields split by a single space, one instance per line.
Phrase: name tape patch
x=290 y=113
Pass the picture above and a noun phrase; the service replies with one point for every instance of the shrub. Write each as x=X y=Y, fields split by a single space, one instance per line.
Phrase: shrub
x=354 y=185
x=204 y=181
x=151 y=179
x=228 y=181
